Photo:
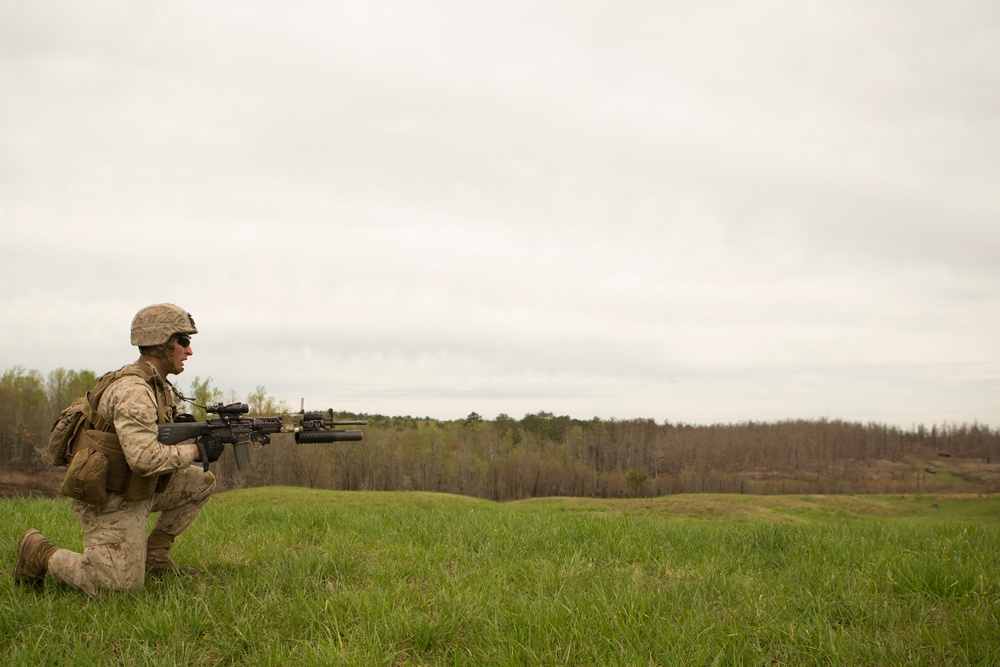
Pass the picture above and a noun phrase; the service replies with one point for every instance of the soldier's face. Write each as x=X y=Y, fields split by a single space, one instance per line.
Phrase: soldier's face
x=182 y=350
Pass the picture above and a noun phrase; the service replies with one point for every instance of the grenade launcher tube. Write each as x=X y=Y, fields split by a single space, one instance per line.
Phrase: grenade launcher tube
x=311 y=437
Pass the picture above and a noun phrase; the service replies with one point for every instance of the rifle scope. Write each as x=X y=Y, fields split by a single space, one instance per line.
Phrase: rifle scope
x=228 y=409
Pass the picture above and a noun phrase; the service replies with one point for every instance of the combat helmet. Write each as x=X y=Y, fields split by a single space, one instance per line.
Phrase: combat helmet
x=154 y=325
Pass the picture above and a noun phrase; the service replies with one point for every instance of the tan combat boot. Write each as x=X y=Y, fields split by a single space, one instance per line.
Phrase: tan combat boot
x=157 y=560
x=33 y=553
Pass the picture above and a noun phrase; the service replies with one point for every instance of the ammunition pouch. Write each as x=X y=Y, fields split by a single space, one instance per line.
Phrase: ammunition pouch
x=87 y=477
x=114 y=475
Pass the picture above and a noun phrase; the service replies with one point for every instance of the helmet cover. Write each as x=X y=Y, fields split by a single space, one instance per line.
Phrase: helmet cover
x=154 y=325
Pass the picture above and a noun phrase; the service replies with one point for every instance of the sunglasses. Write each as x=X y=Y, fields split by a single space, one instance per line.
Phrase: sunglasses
x=183 y=341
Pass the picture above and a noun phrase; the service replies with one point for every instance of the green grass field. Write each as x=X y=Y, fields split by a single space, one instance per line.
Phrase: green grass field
x=302 y=577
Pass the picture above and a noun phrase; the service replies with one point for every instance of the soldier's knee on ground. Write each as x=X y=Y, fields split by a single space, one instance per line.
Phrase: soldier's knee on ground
x=118 y=567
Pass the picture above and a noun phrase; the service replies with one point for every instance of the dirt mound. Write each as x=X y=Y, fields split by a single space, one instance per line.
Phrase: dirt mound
x=29 y=482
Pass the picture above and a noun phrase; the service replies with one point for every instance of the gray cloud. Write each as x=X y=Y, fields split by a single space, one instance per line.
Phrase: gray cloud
x=704 y=212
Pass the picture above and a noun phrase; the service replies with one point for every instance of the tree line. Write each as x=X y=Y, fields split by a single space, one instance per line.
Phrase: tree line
x=543 y=454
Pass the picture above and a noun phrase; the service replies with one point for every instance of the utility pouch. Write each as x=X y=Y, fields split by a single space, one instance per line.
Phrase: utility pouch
x=87 y=477
x=121 y=479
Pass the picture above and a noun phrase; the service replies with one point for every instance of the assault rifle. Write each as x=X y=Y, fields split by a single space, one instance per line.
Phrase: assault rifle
x=232 y=428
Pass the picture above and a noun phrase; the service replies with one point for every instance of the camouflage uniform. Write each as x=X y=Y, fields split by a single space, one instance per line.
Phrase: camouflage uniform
x=114 y=555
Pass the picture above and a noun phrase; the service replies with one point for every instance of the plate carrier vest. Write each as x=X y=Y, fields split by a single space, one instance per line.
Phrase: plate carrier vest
x=100 y=435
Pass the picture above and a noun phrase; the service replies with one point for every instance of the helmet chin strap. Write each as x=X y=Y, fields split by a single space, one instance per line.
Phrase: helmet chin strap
x=168 y=355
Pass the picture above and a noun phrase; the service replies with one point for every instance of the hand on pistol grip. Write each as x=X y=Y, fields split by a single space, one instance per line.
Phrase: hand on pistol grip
x=210 y=449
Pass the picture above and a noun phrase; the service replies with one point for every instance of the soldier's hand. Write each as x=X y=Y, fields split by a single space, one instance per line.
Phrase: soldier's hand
x=210 y=448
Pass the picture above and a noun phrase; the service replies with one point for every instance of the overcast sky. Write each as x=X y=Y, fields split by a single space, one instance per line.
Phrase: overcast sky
x=706 y=212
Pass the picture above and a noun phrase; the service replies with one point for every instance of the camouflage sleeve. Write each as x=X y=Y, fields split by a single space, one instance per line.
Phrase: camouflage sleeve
x=130 y=405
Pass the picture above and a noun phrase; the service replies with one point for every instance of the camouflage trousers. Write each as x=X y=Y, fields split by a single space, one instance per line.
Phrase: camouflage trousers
x=114 y=554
